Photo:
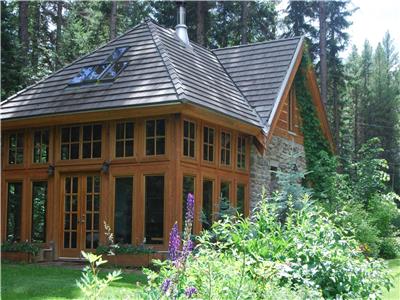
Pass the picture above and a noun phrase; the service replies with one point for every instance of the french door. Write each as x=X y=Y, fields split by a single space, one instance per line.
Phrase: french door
x=80 y=213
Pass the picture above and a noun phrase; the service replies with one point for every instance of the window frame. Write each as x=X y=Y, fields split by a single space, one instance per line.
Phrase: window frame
x=134 y=139
x=32 y=181
x=80 y=142
x=223 y=148
x=246 y=196
x=165 y=136
x=214 y=145
x=22 y=224
x=245 y=153
x=8 y=148
x=189 y=139
x=49 y=146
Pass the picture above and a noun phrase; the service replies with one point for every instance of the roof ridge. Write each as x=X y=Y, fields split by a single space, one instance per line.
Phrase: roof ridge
x=258 y=43
x=178 y=85
x=70 y=64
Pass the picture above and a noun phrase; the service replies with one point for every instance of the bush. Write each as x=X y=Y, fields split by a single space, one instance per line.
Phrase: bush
x=306 y=257
x=389 y=248
x=26 y=247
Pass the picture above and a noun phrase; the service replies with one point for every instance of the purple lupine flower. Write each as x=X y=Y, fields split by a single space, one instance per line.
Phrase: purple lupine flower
x=166 y=285
x=174 y=243
x=187 y=248
x=189 y=208
x=190 y=291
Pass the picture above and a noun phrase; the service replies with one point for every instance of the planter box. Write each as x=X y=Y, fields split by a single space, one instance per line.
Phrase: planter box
x=18 y=256
x=132 y=260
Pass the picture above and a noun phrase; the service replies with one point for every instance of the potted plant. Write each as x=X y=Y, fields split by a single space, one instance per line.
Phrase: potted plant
x=20 y=251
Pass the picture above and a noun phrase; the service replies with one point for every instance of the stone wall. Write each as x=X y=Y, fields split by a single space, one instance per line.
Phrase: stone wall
x=277 y=155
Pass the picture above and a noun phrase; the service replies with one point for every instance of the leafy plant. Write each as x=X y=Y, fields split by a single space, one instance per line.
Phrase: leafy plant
x=26 y=247
x=90 y=283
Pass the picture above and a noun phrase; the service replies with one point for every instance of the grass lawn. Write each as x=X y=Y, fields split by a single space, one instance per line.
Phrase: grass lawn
x=394 y=293
x=31 y=281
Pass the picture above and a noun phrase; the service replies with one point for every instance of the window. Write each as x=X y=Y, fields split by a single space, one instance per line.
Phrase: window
x=224 y=200
x=189 y=129
x=92 y=219
x=39 y=204
x=16 y=148
x=41 y=146
x=70 y=137
x=188 y=187
x=91 y=141
x=240 y=196
x=124 y=143
x=123 y=210
x=71 y=142
x=273 y=184
x=71 y=212
x=14 y=207
x=208 y=144
x=155 y=137
x=291 y=110
x=206 y=215
x=225 y=148
x=241 y=152
x=107 y=70
x=154 y=205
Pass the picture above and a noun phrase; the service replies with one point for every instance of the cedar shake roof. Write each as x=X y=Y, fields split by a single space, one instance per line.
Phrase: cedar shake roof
x=240 y=82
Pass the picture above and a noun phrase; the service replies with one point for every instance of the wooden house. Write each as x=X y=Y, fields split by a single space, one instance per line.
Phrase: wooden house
x=122 y=134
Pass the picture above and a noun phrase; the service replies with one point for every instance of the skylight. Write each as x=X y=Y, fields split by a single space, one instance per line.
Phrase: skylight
x=108 y=70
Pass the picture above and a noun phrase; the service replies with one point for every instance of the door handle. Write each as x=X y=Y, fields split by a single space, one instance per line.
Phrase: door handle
x=83 y=219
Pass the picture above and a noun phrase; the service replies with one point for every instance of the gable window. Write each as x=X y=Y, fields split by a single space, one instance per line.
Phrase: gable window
x=124 y=139
x=41 y=146
x=14 y=208
x=109 y=69
x=123 y=209
x=291 y=110
x=16 y=148
x=208 y=144
x=39 y=203
x=155 y=137
x=189 y=129
x=70 y=137
x=225 y=148
x=241 y=152
x=154 y=209
x=81 y=142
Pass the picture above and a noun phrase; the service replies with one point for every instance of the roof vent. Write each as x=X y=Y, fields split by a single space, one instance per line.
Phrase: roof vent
x=181 y=28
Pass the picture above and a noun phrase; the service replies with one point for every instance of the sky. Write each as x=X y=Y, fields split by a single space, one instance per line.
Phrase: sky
x=370 y=21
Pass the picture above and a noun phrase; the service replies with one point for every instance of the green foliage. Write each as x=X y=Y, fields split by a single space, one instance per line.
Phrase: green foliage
x=26 y=247
x=389 y=248
x=123 y=249
x=90 y=283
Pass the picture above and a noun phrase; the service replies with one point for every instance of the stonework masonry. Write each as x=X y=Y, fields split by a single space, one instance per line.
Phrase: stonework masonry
x=278 y=155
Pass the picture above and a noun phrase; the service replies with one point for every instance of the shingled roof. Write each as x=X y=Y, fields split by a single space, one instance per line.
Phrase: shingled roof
x=261 y=70
x=240 y=82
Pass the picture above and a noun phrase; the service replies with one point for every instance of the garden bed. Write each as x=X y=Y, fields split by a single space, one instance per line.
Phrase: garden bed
x=133 y=260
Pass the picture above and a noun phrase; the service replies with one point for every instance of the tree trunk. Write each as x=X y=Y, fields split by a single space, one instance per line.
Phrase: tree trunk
x=201 y=13
x=58 y=37
x=36 y=36
x=322 y=52
x=113 y=20
x=244 y=28
x=23 y=26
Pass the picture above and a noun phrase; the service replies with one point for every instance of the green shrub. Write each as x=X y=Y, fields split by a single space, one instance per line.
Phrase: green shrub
x=389 y=248
x=26 y=247
x=123 y=249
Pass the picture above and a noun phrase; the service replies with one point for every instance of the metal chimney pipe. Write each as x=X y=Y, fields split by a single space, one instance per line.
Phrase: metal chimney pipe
x=181 y=28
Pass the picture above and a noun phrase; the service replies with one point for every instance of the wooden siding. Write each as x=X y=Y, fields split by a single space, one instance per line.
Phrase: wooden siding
x=172 y=164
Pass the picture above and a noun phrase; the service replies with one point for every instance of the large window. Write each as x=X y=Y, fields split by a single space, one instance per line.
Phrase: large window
x=208 y=144
x=123 y=210
x=70 y=137
x=225 y=148
x=16 y=148
x=14 y=206
x=154 y=215
x=155 y=137
x=72 y=147
x=189 y=129
x=241 y=152
x=224 y=198
x=39 y=204
x=124 y=143
x=41 y=146
x=240 y=198
x=206 y=215
x=188 y=187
